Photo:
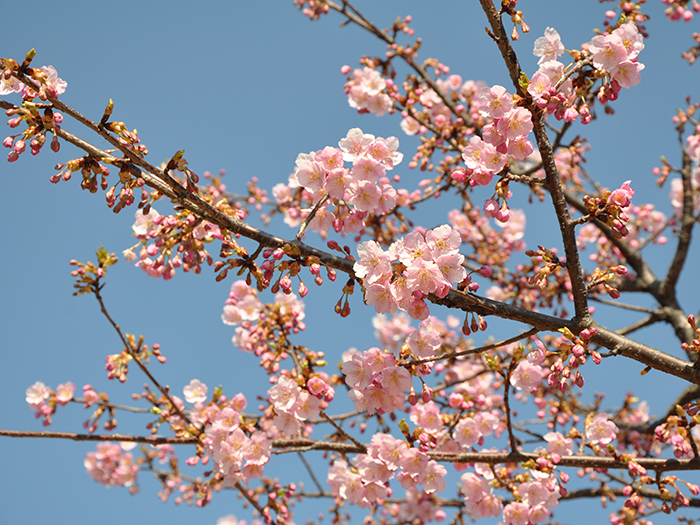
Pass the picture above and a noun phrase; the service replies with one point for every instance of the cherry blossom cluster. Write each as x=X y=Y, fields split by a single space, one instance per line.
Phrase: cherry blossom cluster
x=171 y=242
x=572 y=351
x=506 y=135
x=294 y=405
x=366 y=483
x=365 y=89
x=617 y=53
x=412 y=268
x=257 y=322
x=417 y=505
x=645 y=224
x=536 y=499
x=681 y=9
x=608 y=208
x=38 y=123
x=50 y=85
x=377 y=384
x=492 y=247
x=111 y=466
x=355 y=192
x=238 y=456
x=312 y=8
x=434 y=108
x=614 y=53
x=44 y=401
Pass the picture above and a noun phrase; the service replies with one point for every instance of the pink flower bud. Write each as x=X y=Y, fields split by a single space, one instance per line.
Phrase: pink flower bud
x=427 y=394
x=303 y=290
x=485 y=271
x=455 y=400
x=458 y=176
x=621 y=270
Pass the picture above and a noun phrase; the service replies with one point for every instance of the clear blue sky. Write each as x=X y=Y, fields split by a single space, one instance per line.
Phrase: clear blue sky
x=243 y=86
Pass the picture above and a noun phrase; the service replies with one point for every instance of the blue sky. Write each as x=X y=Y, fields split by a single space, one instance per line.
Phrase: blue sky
x=245 y=87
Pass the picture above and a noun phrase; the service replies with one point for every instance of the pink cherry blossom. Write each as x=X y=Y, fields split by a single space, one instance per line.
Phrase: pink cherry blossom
x=337 y=182
x=257 y=449
x=396 y=380
x=626 y=73
x=380 y=295
x=631 y=39
x=330 y=157
x=549 y=46
x=427 y=415
x=520 y=148
x=473 y=486
x=608 y=51
x=433 y=477
x=622 y=196
x=64 y=392
x=467 y=432
x=424 y=341
x=57 y=85
x=601 y=430
x=443 y=240
x=558 y=444
x=515 y=124
x=374 y=263
x=516 y=513
x=284 y=394
x=10 y=85
x=36 y=394
x=355 y=144
x=491 y=160
x=367 y=168
x=424 y=276
x=110 y=466
x=145 y=224
x=195 y=392
x=526 y=376
x=496 y=101
x=472 y=153
x=364 y=195
x=308 y=173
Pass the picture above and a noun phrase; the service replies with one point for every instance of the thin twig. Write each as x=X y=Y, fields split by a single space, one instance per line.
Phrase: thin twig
x=481 y=349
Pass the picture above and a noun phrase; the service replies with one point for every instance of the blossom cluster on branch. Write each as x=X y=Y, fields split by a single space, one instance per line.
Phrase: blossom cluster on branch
x=462 y=402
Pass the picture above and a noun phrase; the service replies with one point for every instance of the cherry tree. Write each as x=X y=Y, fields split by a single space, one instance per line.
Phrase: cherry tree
x=445 y=417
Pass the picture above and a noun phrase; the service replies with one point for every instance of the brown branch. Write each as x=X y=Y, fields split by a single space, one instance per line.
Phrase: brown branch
x=151 y=440
x=687 y=221
x=173 y=407
x=567 y=229
x=506 y=406
x=290 y=445
x=479 y=350
x=606 y=491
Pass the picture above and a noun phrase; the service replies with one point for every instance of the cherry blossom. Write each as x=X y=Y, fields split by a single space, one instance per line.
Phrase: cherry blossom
x=195 y=392
x=526 y=376
x=110 y=466
x=37 y=394
x=601 y=430
x=549 y=46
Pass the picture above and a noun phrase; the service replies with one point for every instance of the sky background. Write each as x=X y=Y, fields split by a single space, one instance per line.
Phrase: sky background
x=245 y=87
